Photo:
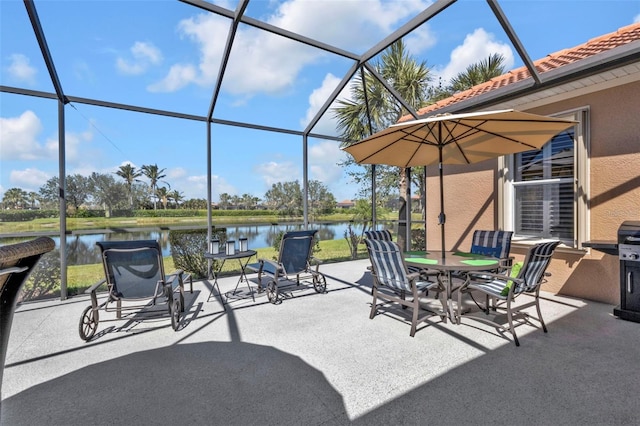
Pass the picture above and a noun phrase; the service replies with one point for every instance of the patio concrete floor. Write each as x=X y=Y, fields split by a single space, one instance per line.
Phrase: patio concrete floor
x=317 y=359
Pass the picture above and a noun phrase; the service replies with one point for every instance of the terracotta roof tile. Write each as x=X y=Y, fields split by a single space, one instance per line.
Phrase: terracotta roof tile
x=551 y=62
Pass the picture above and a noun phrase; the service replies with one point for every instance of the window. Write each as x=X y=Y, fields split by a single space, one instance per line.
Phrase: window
x=544 y=191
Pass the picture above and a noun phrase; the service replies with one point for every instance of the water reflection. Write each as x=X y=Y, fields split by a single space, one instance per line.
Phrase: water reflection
x=82 y=249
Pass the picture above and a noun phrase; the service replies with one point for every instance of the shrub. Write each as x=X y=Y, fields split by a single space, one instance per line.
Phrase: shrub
x=188 y=248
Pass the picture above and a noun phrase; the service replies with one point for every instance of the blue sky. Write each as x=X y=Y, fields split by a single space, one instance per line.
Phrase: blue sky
x=166 y=55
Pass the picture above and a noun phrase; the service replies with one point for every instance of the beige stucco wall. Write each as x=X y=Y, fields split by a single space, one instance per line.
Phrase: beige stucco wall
x=614 y=179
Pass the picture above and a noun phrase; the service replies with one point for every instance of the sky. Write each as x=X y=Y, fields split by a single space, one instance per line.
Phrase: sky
x=166 y=55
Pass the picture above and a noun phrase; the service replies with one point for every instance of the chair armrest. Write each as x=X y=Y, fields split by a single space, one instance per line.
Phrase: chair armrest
x=169 y=279
x=269 y=266
x=485 y=275
x=95 y=287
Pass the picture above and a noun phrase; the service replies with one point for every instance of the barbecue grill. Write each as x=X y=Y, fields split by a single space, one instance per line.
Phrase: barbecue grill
x=627 y=248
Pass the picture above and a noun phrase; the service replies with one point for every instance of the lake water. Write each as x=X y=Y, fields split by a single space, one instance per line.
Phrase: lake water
x=81 y=249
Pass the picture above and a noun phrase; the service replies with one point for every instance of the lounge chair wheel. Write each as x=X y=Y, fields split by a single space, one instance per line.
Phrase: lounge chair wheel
x=320 y=283
x=88 y=323
x=272 y=291
x=175 y=314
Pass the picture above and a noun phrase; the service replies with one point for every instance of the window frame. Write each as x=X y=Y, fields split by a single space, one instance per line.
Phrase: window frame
x=506 y=187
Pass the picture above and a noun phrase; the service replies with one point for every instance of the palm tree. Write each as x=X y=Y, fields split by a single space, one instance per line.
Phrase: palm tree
x=485 y=70
x=163 y=194
x=177 y=197
x=33 y=197
x=154 y=174
x=130 y=175
x=15 y=198
x=376 y=109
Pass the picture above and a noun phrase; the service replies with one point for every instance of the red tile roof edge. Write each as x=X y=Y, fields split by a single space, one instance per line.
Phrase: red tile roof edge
x=594 y=46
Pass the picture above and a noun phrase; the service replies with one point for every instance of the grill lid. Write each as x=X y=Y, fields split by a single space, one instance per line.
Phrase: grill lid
x=629 y=232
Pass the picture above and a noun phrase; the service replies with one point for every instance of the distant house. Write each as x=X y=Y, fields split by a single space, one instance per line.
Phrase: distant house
x=345 y=204
x=580 y=187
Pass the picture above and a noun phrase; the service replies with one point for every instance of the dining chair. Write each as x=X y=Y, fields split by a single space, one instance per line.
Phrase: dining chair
x=385 y=235
x=392 y=282
x=505 y=289
x=495 y=244
x=378 y=234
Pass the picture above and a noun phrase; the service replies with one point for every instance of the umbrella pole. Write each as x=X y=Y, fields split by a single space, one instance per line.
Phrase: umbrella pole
x=442 y=218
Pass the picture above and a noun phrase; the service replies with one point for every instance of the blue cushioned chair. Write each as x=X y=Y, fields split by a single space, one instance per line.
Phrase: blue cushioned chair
x=506 y=289
x=294 y=264
x=392 y=282
x=135 y=279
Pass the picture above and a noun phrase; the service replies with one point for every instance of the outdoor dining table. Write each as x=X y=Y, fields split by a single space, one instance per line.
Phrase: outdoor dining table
x=448 y=262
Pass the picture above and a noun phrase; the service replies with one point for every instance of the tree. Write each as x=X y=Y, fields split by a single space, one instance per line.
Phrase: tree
x=235 y=200
x=33 y=197
x=195 y=204
x=285 y=197
x=107 y=192
x=49 y=192
x=77 y=190
x=176 y=196
x=154 y=174
x=130 y=175
x=320 y=199
x=225 y=201
x=474 y=74
x=162 y=194
x=249 y=201
x=376 y=109
x=15 y=198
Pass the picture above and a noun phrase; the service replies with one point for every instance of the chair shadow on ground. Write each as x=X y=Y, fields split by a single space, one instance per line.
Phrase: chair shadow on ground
x=198 y=383
x=150 y=317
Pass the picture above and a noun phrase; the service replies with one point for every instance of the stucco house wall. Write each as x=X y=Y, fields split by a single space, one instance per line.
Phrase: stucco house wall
x=614 y=195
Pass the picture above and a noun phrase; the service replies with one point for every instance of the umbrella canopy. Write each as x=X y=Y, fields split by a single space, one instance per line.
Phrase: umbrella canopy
x=457 y=139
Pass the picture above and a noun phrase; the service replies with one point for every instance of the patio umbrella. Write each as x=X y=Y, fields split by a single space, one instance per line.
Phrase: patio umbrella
x=457 y=139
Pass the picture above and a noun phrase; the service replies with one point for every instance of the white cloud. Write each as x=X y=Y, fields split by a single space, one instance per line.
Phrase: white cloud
x=72 y=142
x=143 y=55
x=196 y=187
x=477 y=46
x=323 y=159
x=20 y=69
x=29 y=179
x=264 y=63
x=19 y=137
x=326 y=124
x=176 y=173
x=274 y=172
x=353 y=25
x=420 y=40
x=19 y=140
x=179 y=76
x=636 y=19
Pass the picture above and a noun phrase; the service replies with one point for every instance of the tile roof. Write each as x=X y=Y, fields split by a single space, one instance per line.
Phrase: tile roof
x=553 y=61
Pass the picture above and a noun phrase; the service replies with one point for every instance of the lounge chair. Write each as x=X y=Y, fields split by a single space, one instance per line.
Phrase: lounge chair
x=392 y=282
x=135 y=279
x=16 y=263
x=506 y=289
x=293 y=264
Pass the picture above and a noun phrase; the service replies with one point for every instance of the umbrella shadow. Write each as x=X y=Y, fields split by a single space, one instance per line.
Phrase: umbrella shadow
x=198 y=383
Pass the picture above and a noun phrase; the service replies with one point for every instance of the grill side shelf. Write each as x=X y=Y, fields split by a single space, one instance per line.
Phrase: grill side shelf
x=608 y=247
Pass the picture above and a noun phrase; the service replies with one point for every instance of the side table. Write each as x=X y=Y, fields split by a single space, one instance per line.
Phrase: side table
x=243 y=259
